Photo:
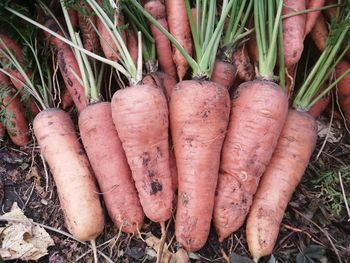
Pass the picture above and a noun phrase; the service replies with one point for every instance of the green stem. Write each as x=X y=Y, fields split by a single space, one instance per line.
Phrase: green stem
x=195 y=36
x=193 y=64
x=305 y=11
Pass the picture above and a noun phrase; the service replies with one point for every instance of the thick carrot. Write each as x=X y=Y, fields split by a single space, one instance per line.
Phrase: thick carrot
x=245 y=69
x=259 y=110
x=140 y=114
x=16 y=123
x=319 y=33
x=18 y=82
x=343 y=88
x=173 y=167
x=311 y=17
x=179 y=27
x=71 y=170
x=86 y=25
x=132 y=45
x=224 y=73
x=108 y=47
x=199 y=114
x=107 y=158
x=69 y=67
x=163 y=46
x=286 y=168
x=293 y=31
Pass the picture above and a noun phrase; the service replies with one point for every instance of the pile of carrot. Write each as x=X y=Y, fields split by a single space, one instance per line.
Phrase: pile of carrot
x=150 y=85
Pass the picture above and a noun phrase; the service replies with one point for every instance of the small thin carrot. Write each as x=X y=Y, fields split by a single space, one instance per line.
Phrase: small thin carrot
x=245 y=69
x=311 y=17
x=179 y=27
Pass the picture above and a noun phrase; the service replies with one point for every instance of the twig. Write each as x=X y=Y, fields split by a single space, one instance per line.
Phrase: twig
x=344 y=196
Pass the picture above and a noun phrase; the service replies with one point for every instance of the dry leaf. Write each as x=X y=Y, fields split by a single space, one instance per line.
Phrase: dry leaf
x=154 y=242
x=181 y=256
x=21 y=239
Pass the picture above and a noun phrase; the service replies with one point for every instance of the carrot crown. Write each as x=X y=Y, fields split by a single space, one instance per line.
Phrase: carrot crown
x=306 y=96
x=235 y=30
x=268 y=28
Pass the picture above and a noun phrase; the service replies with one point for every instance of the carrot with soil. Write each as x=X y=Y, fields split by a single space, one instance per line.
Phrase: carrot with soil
x=258 y=111
x=194 y=106
x=226 y=65
x=311 y=17
x=293 y=31
x=293 y=152
x=105 y=151
x=58 y=140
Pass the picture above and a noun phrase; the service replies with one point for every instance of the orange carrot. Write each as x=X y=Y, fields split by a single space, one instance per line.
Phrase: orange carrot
x=140 y=115
x=161 y=80
x=18 y=82
x=73 y=15
x=179 y=27
x=224 y=73
x=163 y=46
x=14 y=47
x=107 y=158
x=343 y=88
x=68 y=66
x=108 y=47
x=245 y=69
x=86 y=25
x=132 y=45
x=71 y=171
x=67 y=100
x=16 y=123
x=293 y=31
x=286 y=168
x=319 y=107
x=319 y=33
x=255 y=124
x=195 y=106
x=311 y=17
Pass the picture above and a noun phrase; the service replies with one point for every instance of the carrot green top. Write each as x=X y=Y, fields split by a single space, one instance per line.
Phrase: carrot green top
x=338 y=37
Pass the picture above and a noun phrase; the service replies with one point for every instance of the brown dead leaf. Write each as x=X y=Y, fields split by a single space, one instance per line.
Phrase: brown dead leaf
x=180 y=256
x=21 y=239
x=154 y=242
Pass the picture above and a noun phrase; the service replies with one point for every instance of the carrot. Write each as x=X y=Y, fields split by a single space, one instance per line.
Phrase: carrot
x=15 y=48
x=15 y=121
x=317 y=109
x=293 y=31
x=224 y=73
x=173 y=168
x=311 y=17
x=288 y=164
x=245 y=69
x=132 y=44
x=258 y=111
x=163 y=46
x=19 y=83
x=319 y=33
x=2 y=130
x=107 y=158
x=256 y=120
x=180 y=29
x=140 y=116
x=67 y=100
x=73 y=14
x=87 y=21
x=343 y=88
x=195 y=106
x=69 y=67
x=70 y=168
x=108 y=46
x=292 y=154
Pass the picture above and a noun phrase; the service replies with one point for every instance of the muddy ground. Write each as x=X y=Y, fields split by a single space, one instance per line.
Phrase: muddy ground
x=316 y=226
